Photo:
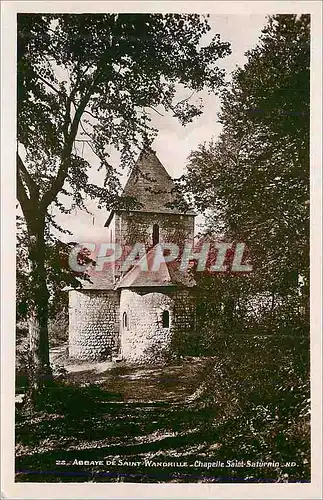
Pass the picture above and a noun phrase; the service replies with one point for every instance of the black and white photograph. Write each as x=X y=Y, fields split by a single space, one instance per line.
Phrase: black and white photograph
x=163 y=196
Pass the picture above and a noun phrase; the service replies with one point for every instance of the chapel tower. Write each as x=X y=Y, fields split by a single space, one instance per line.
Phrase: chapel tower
x=133 y=314
x=160 y=215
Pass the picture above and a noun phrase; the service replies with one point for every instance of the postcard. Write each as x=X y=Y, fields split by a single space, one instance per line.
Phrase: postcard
x=161 y=249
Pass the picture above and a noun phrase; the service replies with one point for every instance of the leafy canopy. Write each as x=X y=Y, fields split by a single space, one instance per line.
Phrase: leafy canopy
x=89 y=79
x=253 y=185
x=254 y=180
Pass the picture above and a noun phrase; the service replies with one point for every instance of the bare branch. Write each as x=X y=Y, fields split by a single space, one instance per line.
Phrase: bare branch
x=95 y=152
x=185 y=100
x=85 y=131
x=156 y=110
x=67 y=118
x=48 y=84
x=89 y=113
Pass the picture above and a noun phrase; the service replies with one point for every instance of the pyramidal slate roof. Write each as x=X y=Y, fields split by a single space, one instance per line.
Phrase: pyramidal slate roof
x=146 y=274
x=152 y=187
x=100 y=280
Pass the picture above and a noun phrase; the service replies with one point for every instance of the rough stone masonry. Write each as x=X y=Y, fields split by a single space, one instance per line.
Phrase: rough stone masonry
x=133 y=315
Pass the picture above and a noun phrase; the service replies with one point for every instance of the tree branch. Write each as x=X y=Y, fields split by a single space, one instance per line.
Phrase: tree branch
x=59 y=180
x=48 y=84
x=89 y=113
x=184 y=100
x=156 y=111
x=32 y=186
x=87 y=141
x=96 y=154
x=83 y=129
x=67 y=118
x=21 y=193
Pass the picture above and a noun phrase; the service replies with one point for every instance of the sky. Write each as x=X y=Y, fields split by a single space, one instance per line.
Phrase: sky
x=174 y=142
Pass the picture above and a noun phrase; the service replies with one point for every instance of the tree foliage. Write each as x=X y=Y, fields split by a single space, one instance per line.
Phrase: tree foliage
x=267 y=415
x=92 y=78
x=88 y=80
x=253 y=182
x=253 y=185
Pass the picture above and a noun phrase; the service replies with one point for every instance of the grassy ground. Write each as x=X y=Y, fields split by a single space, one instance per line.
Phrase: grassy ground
x=130 y=383
x=111 y=412
x=117 y=413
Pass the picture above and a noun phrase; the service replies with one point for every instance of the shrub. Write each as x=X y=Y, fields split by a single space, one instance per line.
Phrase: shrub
x=58 y=329
x=261 y=389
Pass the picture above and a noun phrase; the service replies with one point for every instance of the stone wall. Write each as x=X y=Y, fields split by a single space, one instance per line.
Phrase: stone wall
x=144 y=339
x=137 y=227
x=93 y=324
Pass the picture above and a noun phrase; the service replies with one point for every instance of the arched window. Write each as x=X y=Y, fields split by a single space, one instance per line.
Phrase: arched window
x=125 y=320
x=155 y=234
x=165 y=319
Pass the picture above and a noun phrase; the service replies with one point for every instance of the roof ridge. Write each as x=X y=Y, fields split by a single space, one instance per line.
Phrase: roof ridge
x=168 y=273
x=146 y=256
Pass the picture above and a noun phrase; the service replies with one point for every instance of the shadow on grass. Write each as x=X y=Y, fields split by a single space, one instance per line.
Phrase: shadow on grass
x=251 y=407
x=85 y=423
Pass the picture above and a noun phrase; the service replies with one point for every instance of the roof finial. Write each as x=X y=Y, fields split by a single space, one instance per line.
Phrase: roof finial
x=147 y=138
x=147 y=141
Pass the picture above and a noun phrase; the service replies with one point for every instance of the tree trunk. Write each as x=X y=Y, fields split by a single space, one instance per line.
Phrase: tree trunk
x=40 y=373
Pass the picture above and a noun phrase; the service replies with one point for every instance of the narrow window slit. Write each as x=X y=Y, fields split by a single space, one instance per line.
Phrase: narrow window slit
x=165 y=319
x=155 y=234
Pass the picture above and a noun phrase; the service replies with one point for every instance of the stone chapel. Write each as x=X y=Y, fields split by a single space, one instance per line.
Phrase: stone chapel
x=133 y=315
